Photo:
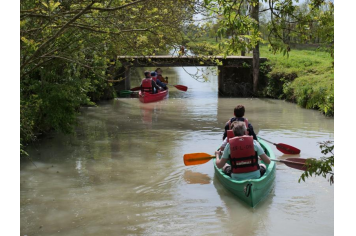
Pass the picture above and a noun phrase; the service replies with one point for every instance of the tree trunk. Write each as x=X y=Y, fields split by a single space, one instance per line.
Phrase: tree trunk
x=256 y=51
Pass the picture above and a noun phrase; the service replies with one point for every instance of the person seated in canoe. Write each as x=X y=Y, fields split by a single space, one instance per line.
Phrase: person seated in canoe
x=230 y=134
x=158 y=82
x=243 y=152
x=148 y=84
x=160 y=77
x=239 y=112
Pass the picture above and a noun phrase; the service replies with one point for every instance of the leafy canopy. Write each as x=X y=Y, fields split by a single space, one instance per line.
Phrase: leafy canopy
x=67 y=46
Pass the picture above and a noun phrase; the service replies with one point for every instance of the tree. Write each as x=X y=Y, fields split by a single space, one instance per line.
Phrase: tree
x=256 y=50
x=308 y=22
x=286 y=20
x=67 y=46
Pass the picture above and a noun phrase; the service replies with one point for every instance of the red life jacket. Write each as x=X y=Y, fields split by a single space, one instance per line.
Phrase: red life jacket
x=246 y=124
x=146 y=85
x=243 y=156
x=154 y=78
x=160 y=77
x=230 y=134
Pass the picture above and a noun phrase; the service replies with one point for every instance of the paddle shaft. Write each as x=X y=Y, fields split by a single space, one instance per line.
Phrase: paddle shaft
x=136 y=88
x=267 y=140
x=299 y=164
x=291 y=162
x=179 y=87
x=284 y=148
x=201 y=158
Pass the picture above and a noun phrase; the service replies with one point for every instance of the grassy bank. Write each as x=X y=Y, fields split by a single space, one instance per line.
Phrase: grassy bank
x=305 y=77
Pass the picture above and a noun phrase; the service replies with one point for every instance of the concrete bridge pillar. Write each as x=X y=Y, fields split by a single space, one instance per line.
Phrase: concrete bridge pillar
x=220 y=79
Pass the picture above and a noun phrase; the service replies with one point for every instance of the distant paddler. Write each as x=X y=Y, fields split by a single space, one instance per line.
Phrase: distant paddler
x=158 y=81
x=160 y=76
x=148 y=84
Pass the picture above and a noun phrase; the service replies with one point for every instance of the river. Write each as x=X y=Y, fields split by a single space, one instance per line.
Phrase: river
x=122 y=172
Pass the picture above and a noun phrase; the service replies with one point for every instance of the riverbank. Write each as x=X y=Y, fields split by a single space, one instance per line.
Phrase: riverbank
x=305 y=77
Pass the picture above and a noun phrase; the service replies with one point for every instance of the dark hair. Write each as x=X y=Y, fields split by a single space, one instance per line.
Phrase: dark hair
x=147 y=73
x=239 y=111
x=158 y=69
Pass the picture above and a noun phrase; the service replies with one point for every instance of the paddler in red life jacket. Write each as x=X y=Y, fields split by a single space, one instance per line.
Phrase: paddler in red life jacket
x=148 y=84
x=158 y=82
x=160 y=77
x=243 y=152
x=230 y=134
x=239 y=112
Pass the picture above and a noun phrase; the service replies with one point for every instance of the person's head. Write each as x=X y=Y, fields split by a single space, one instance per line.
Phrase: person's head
x=153 y=73
x=147 y=74
x=239 y=111
x=159 y=71
x=233 y=124
x=239 y=128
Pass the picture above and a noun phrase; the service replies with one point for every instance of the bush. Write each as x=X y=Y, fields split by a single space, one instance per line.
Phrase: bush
x=277 y=83
x=305 y=77
x=50 y=99
x=313 y=93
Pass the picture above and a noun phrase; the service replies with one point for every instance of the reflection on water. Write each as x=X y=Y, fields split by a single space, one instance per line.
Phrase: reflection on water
x=122 y=172
x=191 y=177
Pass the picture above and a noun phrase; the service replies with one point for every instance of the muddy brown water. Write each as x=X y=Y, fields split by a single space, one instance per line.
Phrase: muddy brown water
x=122 y=172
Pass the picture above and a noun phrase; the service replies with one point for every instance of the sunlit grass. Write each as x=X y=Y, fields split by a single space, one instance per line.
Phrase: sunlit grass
x=312 y=68
x=302 y=62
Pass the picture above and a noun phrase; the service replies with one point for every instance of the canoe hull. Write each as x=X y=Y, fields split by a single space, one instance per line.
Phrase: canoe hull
x=251 y=191
x=149 y=97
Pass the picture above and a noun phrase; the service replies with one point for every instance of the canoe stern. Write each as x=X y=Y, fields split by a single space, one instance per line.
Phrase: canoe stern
x=251 y=191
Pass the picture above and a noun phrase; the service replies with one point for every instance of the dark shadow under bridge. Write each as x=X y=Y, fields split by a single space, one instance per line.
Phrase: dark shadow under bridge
x=234 y=72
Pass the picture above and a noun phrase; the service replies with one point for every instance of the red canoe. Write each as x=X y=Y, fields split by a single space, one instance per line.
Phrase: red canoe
x=149 y=97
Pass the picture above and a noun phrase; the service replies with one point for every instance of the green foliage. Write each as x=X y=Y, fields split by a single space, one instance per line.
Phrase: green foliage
x=276 y=86
x=324 y=166
x=67 y=47
x=310 y=22
x=286 y=22
x=202 y=48
x=282 y=22
x=306 y=77
x=51 y=103
x=315 y=94
x=246 y=65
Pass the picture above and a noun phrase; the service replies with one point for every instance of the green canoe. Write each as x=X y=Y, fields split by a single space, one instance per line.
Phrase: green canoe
x=251 y=191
